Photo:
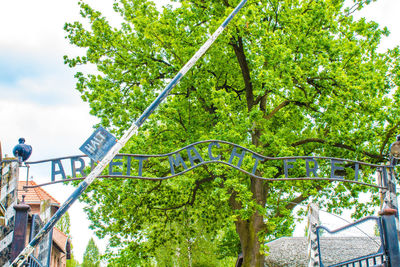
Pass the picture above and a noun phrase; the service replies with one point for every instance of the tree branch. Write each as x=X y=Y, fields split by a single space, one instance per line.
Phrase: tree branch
x=338 y=145
x=147 y=193
x=292 y=204
x=191 y=199
x=279 y=107
x=172 y=50
x=161 y=61
x=181 y=122
x=240 y=55
x=226 y=3
x=388 y=136
x=261 y=99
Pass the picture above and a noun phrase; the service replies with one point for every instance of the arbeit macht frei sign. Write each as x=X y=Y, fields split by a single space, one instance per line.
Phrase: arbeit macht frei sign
x=213 y=152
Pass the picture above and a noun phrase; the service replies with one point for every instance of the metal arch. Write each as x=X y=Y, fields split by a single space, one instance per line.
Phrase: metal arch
x=211 y=162
x=216 y=161
x=222 y=142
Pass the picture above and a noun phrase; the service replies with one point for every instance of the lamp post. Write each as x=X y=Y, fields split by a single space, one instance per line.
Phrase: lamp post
x=395 y=151
x=390 y=180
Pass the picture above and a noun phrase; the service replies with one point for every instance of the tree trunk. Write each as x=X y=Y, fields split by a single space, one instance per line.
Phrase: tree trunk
x=250 y=230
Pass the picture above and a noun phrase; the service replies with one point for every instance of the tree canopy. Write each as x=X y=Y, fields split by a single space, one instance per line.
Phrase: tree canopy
x=91 y=257
x=285 y=78
x=64 y=224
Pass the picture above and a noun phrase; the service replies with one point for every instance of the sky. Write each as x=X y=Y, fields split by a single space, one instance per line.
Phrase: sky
x=37 y=96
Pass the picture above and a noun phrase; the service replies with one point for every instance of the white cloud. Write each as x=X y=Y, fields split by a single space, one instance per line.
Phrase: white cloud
x=51 y=90
x=52 y=132
x=38 y=100
x=386 y=13
x=61 y=126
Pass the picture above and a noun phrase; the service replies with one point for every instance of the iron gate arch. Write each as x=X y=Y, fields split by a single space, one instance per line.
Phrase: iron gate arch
x=205 y=152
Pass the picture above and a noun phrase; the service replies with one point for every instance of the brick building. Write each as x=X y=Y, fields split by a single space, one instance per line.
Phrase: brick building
x=54 y=250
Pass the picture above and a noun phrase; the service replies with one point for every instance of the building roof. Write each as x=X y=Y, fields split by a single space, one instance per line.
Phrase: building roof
x=60 y=239
x=34 y=195
x=292 y=251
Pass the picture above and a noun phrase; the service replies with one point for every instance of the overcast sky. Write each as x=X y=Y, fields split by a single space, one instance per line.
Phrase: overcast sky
x=37 y=96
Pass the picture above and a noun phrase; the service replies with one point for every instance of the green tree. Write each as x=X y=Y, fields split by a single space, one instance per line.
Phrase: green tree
x=91 y=257
x=64 y=224
x=285 y=78
x=72 y=262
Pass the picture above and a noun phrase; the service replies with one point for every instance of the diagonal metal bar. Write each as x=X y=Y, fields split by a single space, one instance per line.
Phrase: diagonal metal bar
x=22 y=257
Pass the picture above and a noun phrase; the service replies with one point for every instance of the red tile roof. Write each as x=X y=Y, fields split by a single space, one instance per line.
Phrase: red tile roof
x=60 y=239
x=34 y=195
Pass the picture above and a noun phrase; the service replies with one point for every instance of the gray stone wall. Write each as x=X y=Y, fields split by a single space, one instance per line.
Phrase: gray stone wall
x=8 y=198
x=292 y=251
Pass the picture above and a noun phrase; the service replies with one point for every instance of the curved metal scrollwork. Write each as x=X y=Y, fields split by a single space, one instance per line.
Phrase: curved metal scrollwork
x=226 y=153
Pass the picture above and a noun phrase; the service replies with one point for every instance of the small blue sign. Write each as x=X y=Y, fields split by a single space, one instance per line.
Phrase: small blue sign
x=98 y=144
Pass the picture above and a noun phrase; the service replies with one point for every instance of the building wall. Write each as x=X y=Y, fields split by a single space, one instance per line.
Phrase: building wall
x=58 y=258
x=35 y=208
x=8 y=198
x=9 y=174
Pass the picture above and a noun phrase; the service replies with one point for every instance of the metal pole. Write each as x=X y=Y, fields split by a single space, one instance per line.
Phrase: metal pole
x=124 y=139
x=381 y=191
x=390 y=199
x=312 y=237
x=391 y=241
x=393 y=197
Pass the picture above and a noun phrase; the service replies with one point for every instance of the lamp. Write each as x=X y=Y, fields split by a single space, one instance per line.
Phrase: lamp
x=22 y=150
x=395 y=148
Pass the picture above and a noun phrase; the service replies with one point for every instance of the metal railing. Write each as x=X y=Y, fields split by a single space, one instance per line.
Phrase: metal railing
x=33 y=262
x=374 y=260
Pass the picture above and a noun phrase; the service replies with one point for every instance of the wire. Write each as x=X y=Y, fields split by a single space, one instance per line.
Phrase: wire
x=343 y=219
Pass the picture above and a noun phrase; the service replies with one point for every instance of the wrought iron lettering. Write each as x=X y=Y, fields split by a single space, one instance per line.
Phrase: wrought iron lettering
x=313 y=170
x=288 y=166
x=60 y=170
x=235 y=154
x=140 y=159
x=80 y=169
x=335 y=167
x=212 y=152
x=257 y=158
x=115 y=163
x=196 y=155
x=210 y=155
x=176 y=162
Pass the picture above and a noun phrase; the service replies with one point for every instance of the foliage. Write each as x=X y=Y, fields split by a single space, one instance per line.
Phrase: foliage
x=72 y=262
x=64 y=224
x=191 y=247
x=91 y=257
x=285 y=78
